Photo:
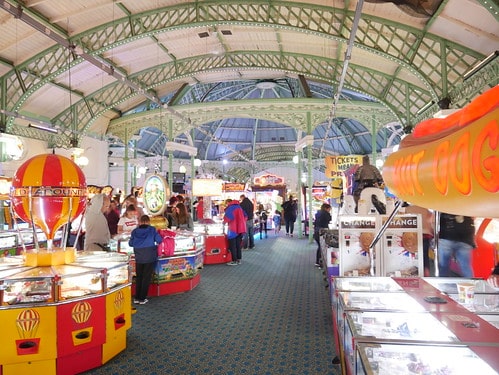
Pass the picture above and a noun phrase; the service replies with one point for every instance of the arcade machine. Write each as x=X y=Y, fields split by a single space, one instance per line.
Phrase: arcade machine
x=60 y=314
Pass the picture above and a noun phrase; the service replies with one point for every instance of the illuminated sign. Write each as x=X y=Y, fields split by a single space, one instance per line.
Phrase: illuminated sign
x=228 y=187
x=268 y=179
x=458 y=173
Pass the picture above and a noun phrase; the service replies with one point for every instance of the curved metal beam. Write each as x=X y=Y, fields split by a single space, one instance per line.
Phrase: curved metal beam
x=313 y=19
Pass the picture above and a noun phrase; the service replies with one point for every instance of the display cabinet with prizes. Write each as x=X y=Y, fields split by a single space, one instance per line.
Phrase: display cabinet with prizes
x=216 y=243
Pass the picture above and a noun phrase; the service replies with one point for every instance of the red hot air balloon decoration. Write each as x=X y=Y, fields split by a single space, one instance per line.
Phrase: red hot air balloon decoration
x=48 y=191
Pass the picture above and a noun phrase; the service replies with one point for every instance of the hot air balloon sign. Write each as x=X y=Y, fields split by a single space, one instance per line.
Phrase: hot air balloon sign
x=27 y=323
x=48 y=191
x=81 y=314
x=119 y=314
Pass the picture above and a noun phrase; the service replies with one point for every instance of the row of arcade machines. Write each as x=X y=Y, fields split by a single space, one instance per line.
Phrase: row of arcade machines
x=182 y=256
x=180 y=259
x=388 y=319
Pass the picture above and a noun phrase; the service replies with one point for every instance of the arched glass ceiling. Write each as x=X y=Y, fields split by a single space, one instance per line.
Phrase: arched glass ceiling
x=250 y=139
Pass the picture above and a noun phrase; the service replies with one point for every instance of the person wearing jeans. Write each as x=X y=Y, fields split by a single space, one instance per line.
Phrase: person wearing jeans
x=235 y=218
x=249 y=209
x=456 y=239
x=144 y=240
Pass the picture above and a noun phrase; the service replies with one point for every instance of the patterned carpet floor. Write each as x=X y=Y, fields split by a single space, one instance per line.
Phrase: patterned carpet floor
x=269 y=315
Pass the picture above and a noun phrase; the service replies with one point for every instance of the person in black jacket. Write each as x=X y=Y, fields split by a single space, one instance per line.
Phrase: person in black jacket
x=249 y=209
x=322 y=220
x=144 y=240
x=456 y=239
x=290 y=209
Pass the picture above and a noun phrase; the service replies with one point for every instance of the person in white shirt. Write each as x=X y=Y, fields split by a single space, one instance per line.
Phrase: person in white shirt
x=128 y=221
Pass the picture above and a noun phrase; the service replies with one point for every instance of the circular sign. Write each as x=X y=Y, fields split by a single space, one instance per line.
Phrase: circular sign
x=156 y=193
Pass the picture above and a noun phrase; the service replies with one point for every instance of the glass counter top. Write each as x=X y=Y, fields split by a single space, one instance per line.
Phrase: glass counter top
x=390 y=359
x=379 y=301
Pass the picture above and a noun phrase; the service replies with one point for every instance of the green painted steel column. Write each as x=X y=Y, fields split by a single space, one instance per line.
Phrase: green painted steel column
x=310 y=182
x=170 y=156
x=373 y=139
x=298 y=192
x=125 y=164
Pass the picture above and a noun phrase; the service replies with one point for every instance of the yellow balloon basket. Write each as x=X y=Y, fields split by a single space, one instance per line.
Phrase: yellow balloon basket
x=53 y=257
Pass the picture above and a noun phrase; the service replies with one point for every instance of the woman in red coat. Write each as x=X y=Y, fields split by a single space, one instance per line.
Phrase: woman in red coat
x=235 y=217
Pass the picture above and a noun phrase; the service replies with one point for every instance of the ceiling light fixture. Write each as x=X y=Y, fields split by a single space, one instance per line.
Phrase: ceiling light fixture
x=44 y=128
x=480 y=65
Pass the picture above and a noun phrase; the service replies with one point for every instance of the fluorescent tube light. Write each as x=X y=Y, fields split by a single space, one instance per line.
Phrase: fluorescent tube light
x=44 y=128
x=480 y=65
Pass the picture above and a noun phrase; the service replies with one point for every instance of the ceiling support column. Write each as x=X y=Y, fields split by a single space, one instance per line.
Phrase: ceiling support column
x=373 y=139
x=170 y=156
x=310 y=181
x=125 y=163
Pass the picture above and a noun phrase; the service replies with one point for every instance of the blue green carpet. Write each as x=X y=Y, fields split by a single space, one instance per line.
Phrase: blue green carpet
x=269 y=315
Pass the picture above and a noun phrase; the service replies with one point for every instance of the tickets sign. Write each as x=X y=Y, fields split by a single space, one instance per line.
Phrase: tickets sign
x=336 y=166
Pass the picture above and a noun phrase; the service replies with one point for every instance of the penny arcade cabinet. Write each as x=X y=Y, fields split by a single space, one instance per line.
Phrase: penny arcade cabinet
x=61 y=312
x=216 y=244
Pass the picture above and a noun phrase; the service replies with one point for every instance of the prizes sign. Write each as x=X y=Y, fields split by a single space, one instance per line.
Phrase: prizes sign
x=336 y=166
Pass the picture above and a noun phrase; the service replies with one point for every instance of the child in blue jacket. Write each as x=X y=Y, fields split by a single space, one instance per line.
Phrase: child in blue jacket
x=144 y=240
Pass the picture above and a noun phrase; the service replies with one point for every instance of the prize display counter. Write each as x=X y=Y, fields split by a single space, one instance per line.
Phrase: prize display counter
x=216 y=243
x=177 y=272
x=386 y=325
x=15 y=242
x=63 y=312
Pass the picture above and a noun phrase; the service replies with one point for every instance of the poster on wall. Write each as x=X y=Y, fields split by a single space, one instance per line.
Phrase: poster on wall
x=356 y=233
x=402 y=246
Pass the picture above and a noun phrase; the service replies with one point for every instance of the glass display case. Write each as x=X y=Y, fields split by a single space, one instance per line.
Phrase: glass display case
x=77 y=281
x=51 y=284
x=378 y=302
x=390 y=359
x=448 y=285
x=31 y=285
x=119 y=243
x=385 y=327
x=117 y=267
x=212 y=229
x=186 y=241
x=362 y=284
x=480 y=303
x=8 y=244
x=366 y=284
x=92 y=273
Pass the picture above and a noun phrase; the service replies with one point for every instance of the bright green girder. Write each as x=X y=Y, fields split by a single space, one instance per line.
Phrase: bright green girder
x=291 y=112
x=327 y=22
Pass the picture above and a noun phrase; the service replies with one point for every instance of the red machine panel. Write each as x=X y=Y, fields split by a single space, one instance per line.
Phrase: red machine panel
x=216 y=250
